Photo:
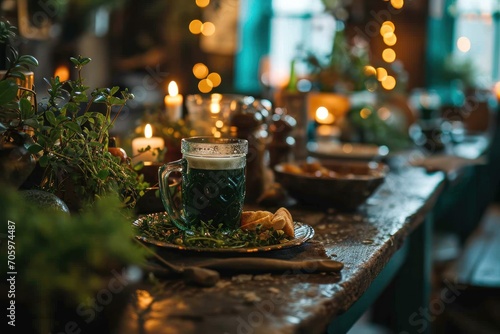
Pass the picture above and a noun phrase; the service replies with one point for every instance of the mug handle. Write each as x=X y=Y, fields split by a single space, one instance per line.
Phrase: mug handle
x=165 y=194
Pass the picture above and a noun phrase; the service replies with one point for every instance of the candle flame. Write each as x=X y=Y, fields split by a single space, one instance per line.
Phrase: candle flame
x=148 y=131
x=173 y=90
x=324 y=116
x=214 y=108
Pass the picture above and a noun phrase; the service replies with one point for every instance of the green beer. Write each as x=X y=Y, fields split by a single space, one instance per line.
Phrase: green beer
x=213 y=191
x=213 y=183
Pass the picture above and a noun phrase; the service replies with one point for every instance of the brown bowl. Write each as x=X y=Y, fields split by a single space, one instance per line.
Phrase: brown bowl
x=349 y=186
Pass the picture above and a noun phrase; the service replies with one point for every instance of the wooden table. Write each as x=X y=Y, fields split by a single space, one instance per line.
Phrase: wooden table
x=389 y=234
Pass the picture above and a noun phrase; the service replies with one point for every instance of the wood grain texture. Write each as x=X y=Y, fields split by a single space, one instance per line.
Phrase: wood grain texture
x=295 y=302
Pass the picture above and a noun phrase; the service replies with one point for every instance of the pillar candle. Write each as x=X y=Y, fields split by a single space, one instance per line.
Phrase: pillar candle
x=156 y=143
x=173 y=102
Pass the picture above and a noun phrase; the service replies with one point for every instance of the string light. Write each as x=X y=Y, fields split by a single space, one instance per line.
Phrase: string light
x=207 y=80
x=389 y=55
x=202 y=3
x=200 y=70
x=195 y=27
x=208 y=29
x=387 y=29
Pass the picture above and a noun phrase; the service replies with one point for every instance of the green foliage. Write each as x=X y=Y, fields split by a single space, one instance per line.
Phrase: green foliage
x=464 y=70
x=343 y=69
x=372 y=129
x=58 y=254
x=160 y=228
x=15 y=105
x=7 y=32
x=73 y=141
x=70 y=131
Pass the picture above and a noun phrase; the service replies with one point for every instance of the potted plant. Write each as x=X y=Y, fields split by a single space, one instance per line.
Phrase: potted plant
x=69 y=133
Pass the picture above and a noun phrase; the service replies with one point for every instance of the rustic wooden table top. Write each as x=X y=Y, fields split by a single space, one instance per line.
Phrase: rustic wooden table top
x=295 y=302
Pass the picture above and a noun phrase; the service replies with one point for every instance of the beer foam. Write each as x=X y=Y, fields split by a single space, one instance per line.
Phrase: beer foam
x=219 y=163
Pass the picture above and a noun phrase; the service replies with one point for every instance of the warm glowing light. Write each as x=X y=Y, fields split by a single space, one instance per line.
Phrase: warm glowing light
x=208 y=29
x=148 y=131
x=384 y=113
x=390 y=39
x=202 y=3
x=173 y=90
x=62 y=72
x=321 y=113
x=389 y=24
x=386 y=30
x=389 y=55
x=381 y=73
x=195 y=27
x=217 y=134
x=219 y=124
x=214 y=108
x=389 y=83
x=324 y=116
x=215 y=79
x=144 y=299
x=200 y=70
x=205 y=86
x=398 y=4
x=347 y=148
x=496 y=89
x=216 y=97
x=365 y=113
x=370 y=71
x=463 y=44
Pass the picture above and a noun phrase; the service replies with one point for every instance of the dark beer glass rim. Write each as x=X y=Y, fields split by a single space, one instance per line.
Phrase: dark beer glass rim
x=205 y=142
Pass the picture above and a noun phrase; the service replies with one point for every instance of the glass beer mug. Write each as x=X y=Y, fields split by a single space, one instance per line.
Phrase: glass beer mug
x=213 y=182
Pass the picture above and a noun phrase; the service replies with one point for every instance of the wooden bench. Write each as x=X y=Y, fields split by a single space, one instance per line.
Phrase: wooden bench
x=479 y=264
x=473 y=282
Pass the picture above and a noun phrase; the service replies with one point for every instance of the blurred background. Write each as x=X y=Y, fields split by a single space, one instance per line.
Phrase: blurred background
x=421 y=76
x=443 y=50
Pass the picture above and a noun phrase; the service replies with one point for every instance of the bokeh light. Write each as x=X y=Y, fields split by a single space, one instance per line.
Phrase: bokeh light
x=324 y=116
x=365 y=113
x=381 y=73
x=202 y=3
x=200 y=70
x=384 y=113
x=370 y=71
x=205 y=86
x=389 y=83
x=215 y=79
x=390 y=39
x=389 y=55
x=398 y=4
x=463 y=44
x=62 y=72
x=208 y=29
x=195 y=27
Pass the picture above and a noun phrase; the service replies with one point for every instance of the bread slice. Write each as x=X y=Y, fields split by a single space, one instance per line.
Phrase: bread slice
x=286 y=216
x=250 y=220
x=280 y=220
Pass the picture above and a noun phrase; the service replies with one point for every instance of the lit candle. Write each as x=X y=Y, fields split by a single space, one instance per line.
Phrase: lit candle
x=156 y=144
x=336 y=104
x=325 y=129
x=173 y=102
x=324 y=116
